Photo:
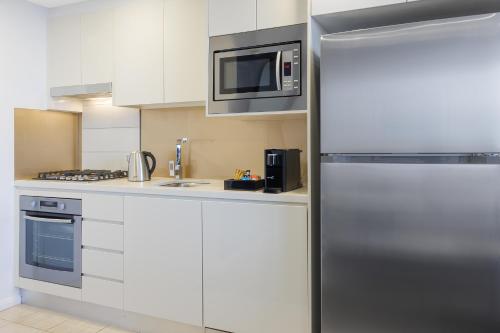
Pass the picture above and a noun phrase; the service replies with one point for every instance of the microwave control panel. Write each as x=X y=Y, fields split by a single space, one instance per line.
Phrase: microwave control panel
x=291 y=71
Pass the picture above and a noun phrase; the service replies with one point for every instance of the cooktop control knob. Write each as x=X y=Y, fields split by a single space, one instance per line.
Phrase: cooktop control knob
x=33 y=204
x=62 y=206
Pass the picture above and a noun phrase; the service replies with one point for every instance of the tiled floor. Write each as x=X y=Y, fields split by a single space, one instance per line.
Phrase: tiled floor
x=28 y=319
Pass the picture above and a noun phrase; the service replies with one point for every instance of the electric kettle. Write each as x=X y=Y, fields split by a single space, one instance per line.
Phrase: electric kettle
x=139 y=169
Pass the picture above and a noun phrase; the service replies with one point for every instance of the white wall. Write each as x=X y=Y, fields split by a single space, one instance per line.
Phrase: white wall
x=109 y=134
x=22 y=84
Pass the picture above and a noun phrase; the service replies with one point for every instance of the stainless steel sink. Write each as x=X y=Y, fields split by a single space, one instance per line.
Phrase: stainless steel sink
x=184 y=183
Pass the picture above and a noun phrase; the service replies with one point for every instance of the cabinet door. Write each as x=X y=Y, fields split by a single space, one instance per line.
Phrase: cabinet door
x=186 y=51
x=278 y=13
x=329 y=6
x=64 y=51
x=231 y=16
x=138 y=53
x=163 y=259
x=97 y=47
x=255 y=267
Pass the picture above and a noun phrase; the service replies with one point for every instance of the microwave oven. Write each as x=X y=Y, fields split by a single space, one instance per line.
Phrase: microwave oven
x=259 y=71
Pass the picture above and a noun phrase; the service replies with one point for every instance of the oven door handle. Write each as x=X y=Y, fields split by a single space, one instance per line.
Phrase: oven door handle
x=278 y=70
x=48 y=220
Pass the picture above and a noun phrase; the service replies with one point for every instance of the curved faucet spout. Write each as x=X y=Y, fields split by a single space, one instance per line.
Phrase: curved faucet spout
x=178 y=157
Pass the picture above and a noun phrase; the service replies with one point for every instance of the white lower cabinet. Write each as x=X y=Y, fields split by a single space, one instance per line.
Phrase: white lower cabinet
x=163 y=258
x=104 y=264
x=255 y=267
x=102 y=292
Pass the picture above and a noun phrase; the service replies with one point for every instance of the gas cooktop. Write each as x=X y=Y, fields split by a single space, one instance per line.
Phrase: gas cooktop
x=82 y=175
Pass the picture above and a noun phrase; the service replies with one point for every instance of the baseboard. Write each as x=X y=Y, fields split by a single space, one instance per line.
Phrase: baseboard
x=9 y=302
x=107 y=316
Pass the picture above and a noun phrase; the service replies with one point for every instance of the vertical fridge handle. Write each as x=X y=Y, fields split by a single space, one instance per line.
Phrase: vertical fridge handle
x=278 y=70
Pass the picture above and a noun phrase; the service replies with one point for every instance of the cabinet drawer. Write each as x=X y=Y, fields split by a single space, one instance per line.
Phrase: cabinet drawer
x=102 y=207
x=103 y=264
x=102 y=235
x=102 y=292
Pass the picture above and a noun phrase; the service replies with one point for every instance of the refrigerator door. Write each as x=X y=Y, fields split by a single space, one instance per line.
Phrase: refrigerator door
x=410 y=248
x=430 y=87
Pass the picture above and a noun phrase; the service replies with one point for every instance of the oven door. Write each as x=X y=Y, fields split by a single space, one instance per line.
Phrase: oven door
x=50 y=248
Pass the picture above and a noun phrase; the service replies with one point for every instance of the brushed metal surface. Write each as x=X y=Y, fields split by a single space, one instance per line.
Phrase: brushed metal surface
x=429 y=87
x=83 y=91
x=410 y=248
x=266 y=37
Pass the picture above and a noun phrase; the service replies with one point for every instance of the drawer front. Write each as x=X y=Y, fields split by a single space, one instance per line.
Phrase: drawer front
x=102 y=264
x=102 y=235
x=102 y=207
x=102 y=292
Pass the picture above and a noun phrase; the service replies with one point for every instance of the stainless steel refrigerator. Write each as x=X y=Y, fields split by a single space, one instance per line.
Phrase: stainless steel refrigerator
x=410 y=178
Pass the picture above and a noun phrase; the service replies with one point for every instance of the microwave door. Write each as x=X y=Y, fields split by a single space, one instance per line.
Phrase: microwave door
x=245 y=74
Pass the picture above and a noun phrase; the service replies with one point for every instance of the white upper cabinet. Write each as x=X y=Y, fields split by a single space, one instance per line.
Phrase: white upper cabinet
x=97 y=47
x=232 y=16
x=186 y=50
x=138 y=53
x=255 y=267
x=163 y=258
x=64 y=51
x=80 y=49
x=334 y=6
x=277 y=13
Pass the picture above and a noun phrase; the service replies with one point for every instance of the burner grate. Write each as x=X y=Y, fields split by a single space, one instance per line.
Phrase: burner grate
x=82 y=175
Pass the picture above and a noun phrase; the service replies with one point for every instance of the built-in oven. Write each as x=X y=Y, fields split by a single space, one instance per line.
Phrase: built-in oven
x=51 y=240
x=259 y=71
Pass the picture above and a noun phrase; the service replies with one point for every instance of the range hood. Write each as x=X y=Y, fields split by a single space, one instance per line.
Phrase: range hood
x=83 y=91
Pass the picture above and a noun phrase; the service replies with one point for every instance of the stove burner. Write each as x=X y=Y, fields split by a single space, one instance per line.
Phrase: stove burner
x=82 y=175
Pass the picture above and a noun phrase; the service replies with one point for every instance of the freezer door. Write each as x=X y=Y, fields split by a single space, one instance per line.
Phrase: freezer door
x=430 y=87
x=410 y=248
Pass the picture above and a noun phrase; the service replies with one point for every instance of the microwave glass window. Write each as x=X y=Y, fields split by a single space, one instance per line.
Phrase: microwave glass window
x=251 y=73
x=50 y=245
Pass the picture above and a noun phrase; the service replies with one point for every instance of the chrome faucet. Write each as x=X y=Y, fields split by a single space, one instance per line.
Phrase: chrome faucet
x=178 y=157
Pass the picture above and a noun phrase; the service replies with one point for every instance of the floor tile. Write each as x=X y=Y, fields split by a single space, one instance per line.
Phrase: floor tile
x=18 y=313
x=3 y=323
x=113 y=330
x=44 y=320
x=76 y=326
x=16 y=328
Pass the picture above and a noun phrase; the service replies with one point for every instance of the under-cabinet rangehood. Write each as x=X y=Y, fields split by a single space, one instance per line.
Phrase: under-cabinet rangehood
x=83 y=91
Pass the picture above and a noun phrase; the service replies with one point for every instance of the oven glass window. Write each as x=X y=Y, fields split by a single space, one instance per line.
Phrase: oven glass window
x=250 y=73
x=50 y=245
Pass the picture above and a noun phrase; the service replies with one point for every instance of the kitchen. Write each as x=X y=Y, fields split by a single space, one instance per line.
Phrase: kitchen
x=166 y=158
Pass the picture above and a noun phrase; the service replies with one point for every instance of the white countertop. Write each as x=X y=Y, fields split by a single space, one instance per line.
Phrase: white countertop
x=214 y=190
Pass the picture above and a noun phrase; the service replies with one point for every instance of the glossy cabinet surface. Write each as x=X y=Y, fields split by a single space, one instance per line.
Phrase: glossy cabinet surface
x=278 y=13
x=138 y=53
x=255 y=267
x=64 y=51
x=163 y=258
x=231 y=16
x=97 y=47
x=186 y=49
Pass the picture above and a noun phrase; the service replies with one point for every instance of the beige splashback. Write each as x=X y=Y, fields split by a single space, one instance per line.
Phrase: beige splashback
x=217 y=146
x=46 y=140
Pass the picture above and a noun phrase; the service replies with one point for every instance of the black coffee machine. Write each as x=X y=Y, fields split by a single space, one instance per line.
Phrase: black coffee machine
x=282 y=168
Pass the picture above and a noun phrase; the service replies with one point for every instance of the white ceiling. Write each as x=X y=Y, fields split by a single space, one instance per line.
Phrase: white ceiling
x=55 y=3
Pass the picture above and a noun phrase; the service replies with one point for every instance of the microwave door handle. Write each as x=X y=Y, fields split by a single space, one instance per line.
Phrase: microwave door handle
x=48 y=220
x=278 y=70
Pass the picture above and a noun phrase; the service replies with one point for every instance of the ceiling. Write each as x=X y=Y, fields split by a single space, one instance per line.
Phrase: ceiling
x=55 y=3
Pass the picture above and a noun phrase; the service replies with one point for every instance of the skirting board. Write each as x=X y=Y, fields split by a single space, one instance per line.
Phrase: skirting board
x=108 y=316
x=9 y=302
